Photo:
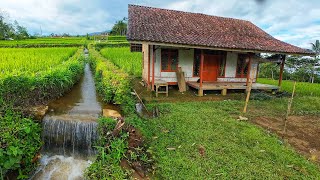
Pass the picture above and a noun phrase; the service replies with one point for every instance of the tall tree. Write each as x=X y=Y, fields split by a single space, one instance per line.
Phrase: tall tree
x=120 y=28
x=316 y=49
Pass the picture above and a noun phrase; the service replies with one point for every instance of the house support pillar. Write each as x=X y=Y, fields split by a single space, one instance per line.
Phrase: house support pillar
x=249 y=69
x=200 y=91
x=283 y=59
x=153 y=60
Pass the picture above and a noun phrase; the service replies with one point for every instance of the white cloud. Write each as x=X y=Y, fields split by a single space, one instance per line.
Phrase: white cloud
x=58 y=16
x=293 y=21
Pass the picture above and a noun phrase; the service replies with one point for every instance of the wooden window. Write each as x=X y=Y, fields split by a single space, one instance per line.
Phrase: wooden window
x=196 y=63
x=242 y=66
x=136 y=47
x=169 y=60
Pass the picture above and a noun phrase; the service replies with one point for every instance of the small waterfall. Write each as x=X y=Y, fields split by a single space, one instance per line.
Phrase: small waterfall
x=69 y=137
x=69 y=132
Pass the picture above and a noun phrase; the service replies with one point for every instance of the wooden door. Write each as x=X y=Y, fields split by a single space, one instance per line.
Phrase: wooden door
x=210 y=67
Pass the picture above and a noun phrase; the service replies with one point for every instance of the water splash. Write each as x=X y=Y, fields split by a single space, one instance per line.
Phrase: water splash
x=61 y=167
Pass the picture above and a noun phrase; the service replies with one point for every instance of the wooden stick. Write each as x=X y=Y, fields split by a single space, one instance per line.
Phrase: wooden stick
x=289 y=108
x=135 y=92
x=248 y=96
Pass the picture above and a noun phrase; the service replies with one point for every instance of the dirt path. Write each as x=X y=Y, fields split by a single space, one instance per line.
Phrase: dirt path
x=303 y=133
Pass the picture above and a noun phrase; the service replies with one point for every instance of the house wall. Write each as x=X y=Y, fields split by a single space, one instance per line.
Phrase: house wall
x=186 y=58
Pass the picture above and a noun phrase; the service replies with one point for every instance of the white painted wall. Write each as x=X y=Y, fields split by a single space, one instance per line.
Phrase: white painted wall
x=186 y=57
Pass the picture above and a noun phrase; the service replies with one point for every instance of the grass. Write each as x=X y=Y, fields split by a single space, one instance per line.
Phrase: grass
x=233 y=149
x=124 y=59
x=302 y=88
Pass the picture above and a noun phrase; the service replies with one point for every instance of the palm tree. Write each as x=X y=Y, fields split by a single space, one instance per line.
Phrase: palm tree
x=316 y=49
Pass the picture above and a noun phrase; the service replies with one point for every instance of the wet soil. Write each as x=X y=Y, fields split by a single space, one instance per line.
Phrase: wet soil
x=302 y=133
x=138 y=168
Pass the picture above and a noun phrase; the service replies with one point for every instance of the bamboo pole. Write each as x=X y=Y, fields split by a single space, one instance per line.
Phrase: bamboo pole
x=248 y=96
x=289 y=109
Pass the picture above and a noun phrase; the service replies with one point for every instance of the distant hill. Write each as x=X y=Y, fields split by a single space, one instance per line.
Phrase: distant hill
x=98 y=33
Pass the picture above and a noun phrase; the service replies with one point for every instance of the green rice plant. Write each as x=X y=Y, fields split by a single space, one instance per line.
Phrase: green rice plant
x=23 y=84
x=16 y=61
x=46 y=42
x=302 y=88
x=113 y=84
x=124 y=59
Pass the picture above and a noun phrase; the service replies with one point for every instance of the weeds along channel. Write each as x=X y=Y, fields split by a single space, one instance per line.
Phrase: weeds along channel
x=29 y=77
x=119 y=149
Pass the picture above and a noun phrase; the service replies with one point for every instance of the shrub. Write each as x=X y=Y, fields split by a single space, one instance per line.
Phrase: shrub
x=19 y=141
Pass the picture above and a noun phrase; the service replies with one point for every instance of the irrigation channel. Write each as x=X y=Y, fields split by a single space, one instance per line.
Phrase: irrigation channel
x=69 y=131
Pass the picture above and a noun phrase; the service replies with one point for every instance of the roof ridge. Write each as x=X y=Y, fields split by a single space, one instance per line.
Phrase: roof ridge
x=186 y=12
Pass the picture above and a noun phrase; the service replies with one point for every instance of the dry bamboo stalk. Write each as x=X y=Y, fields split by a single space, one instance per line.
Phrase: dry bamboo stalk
x=141 y=100
x=289 y=108
x=248 y=96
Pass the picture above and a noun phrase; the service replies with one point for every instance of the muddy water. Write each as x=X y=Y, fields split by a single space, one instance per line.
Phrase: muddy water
x=69 y=130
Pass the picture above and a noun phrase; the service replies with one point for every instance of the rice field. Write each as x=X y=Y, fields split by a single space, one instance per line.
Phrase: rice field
x=302 y=88
x=15 y=61
x=124 y=59
x=44 y=41
x=34 y=75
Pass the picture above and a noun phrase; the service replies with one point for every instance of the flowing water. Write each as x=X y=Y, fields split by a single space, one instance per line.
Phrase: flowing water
x=69 y=130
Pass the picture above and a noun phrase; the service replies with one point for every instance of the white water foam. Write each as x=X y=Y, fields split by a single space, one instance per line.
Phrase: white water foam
x=60 y=167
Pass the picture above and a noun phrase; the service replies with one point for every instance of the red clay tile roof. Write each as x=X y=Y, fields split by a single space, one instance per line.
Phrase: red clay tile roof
x=184 y=28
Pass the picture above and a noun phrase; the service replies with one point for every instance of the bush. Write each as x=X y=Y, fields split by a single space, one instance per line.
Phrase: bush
x=19 y=141
x=111 y=150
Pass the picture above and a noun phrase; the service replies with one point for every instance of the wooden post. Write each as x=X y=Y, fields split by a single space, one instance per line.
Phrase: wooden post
x=289 y=109
x=283 y=59
x=200 y=92
x=248 y=96
x=148 y=67
x=249 y=70
x=153 y=60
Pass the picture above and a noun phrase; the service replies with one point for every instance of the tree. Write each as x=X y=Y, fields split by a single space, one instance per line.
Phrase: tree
x=20 y=31
x=316 y=49
x=120 y=28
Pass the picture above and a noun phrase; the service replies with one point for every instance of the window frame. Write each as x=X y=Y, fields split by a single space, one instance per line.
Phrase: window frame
x=242 y=74
x=169 y=52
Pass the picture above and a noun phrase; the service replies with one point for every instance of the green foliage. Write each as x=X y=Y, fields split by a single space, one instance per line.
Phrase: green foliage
x=302 y=88
x=113 y=84
x=120 y=28
x=111 y=151
x=117 y=38
x=19 y=141
x=233 y=149
x=38 y=81
x=124 y=59
x=100 y=46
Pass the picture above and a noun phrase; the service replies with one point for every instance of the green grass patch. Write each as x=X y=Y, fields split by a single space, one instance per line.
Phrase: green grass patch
x=124 y=59
x=233 y=149
x=302 y=88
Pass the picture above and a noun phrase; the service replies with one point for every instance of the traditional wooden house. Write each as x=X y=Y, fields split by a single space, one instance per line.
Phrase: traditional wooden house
x=214 y=53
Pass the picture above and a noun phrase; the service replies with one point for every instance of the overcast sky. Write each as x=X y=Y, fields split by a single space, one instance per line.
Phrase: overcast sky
x=293 y=21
